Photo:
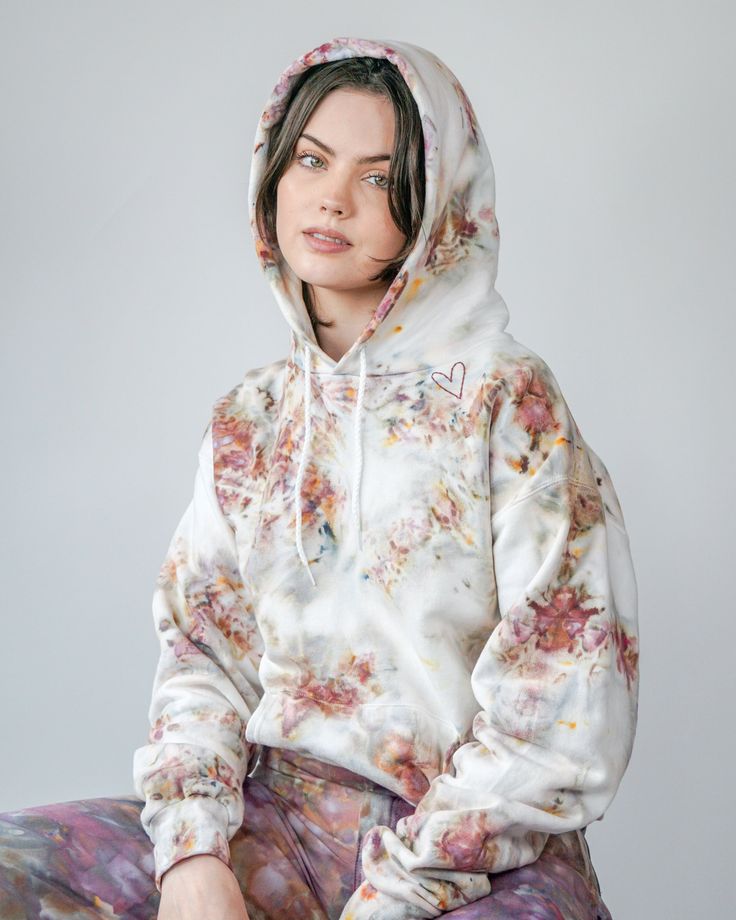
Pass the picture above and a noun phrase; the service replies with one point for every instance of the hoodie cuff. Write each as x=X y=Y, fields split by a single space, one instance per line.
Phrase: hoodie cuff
x=190 y=827
x=367 y=903
x=397 y=885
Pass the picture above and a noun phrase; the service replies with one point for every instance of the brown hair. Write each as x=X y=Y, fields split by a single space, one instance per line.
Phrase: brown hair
x=406 y=181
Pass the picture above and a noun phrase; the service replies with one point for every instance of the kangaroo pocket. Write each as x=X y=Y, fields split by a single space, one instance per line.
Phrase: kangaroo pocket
x=398 y=746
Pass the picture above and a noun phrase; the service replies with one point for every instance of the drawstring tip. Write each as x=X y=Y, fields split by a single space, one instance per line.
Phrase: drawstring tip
x=311 y=578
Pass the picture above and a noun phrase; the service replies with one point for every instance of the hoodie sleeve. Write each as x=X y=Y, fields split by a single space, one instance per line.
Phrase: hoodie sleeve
x=556 y=683
x=205 y=688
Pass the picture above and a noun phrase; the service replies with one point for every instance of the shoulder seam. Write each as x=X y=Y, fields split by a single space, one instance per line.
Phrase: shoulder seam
x=541 y=488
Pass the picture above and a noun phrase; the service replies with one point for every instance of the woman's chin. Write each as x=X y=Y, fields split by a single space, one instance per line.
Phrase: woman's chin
x=327 y=281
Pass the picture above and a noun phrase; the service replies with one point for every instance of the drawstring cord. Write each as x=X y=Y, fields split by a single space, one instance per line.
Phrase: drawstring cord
x=357 y=525
x=303 y=461
x=356 y=517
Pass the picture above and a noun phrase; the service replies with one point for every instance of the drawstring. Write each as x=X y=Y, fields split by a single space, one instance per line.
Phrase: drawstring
x=357 y=522
x=303 y=461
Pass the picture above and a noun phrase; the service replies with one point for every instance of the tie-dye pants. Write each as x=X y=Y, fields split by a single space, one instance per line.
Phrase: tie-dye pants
x=296 y=856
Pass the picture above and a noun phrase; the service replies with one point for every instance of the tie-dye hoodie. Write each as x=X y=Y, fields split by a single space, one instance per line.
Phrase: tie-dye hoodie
x=407 y=562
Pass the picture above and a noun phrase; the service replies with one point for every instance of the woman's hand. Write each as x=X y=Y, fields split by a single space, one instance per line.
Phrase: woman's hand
x=201 y=887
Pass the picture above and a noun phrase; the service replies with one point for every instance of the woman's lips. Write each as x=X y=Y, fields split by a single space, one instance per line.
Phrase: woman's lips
x=320 y=245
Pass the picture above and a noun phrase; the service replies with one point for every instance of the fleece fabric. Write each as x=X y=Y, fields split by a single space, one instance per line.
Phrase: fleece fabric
x=407 y=562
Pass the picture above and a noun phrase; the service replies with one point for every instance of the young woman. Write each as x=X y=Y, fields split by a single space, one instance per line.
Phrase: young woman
x=398 y=620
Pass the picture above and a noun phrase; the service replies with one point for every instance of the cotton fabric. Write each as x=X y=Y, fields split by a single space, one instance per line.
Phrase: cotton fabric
x=407 y=563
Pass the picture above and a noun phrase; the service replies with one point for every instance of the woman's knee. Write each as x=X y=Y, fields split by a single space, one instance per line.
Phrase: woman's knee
x=87 y=858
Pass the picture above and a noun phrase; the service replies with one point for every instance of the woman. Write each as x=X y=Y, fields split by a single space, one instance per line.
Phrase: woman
x=398 y=620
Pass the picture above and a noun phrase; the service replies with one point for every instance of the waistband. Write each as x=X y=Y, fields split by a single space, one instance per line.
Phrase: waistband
x=298 y=765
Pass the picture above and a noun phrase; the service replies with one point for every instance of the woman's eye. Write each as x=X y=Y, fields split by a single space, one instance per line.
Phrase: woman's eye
x=379 y=176
x=311 y=156
x=306 y=155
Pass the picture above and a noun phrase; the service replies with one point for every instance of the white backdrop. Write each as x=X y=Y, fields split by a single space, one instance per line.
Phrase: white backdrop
x=132 y=299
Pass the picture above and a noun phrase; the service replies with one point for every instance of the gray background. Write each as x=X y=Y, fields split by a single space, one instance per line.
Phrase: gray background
x=132 y=299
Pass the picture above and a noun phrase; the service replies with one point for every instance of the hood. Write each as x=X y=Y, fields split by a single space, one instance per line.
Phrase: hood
x=443 y=297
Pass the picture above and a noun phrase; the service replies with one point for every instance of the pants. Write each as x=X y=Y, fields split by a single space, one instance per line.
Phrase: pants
x=297 y=854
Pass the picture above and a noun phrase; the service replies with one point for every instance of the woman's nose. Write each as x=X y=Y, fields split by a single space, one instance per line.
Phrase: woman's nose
x=329 y=204
x=336 y=195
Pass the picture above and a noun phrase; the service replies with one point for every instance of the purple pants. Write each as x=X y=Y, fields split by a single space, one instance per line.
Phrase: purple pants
x=296 y=856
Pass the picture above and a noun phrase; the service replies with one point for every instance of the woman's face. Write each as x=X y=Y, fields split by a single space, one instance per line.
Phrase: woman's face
x=336 y=180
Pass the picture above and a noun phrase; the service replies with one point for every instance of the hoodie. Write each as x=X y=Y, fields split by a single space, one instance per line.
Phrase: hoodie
x=407 y=562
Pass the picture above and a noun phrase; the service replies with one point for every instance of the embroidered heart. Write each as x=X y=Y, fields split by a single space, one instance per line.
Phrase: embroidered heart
x=437 y=374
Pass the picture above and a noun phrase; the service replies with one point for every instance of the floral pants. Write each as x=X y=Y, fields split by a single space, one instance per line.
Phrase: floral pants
x=296 y=856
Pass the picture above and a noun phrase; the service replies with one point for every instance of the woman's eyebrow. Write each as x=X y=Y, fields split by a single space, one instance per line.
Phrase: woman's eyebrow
x=372 y=159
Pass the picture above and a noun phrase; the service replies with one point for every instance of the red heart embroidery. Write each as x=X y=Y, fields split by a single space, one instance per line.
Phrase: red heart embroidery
x=437 y=374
